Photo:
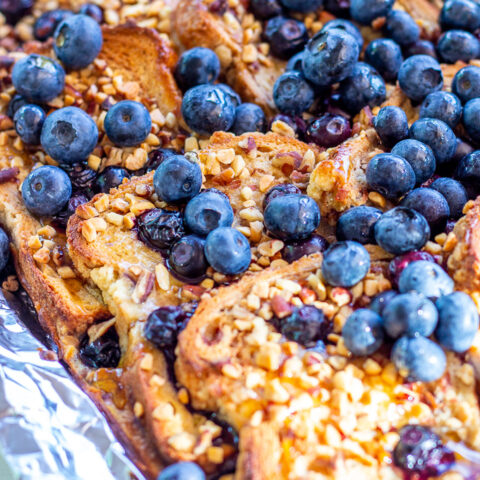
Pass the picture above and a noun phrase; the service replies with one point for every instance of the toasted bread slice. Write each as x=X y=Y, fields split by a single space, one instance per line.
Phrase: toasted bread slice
x=299 y=414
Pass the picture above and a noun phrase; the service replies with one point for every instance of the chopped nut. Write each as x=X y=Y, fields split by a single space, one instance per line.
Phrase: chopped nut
x=157 y=117
x=269 y=357
x=171 y=120
x=144 y=287
x=136 y=160
x=183 y=442
x=119 y=205
x=66 y=272
x=34 y=242
x=191 y=143
x=164 y=411
x=246 y=193
x=86 y=211
x=162 y=276
x=215 y=455
x=275 y=392
x=225 y=55
x=88 y=232
x=238 y=164
x=288 y=285
x=183 y=396
x=251 y=214
x=226 y=156
x=129 y=220
x=283 y=129
x=114 y=218
x=270 y=248
x=232 y=371
x=47 y=231
x=377 y=199
x=94 y=162
x=102 y=203
x=146 y=363
x=138 y=409
x=98 y=223
x=250 y=54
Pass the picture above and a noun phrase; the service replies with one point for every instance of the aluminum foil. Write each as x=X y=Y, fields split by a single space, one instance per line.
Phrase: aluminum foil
x=49 y=429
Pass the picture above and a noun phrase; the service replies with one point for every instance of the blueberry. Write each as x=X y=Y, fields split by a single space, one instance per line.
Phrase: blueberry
x=330 y=57
x=437 y=135
x=329 y=130
x=127 y=123
x=471 y=119
x=345 y=264
x=390 y=175
x=385 y=56
x=78 y=41
x=468 y=170
x=278 y=191
x=231 y=94
x=292 y=93
x=286 y=36
x=110 y=178
x=46 y=24
x=207 y=109
x=364 y=87
x=28 y=123
x=83 y=179
x=46 y=190
x=462 y=150
x=401 y=230
x=197 y=66
x=104 y=352
x=62 y=217
x=93 y=11
x=264 y=9
x=410 y=314
x=291 y=217
x=4 y=249
x=177 y=179
x=339 y=8
x=455 y=194
x=391 y=125
x=159 y=228
x=420 y=75
x=461 y=14
x=14 y=10
x=15 y=104
x=182 y=471
x=401 y=27
x=418 y=359
x=303 y=6
x=38 y=78
x=399 y=264
x=207 y=211
x=349 y=27
x=442 y=105
x=69 y=135
x=419 y=156
x=296 y=250
x=187 y=258
x=466 y=83
x=228 y=251
x=163 y=325
x=380 y=301
x=365 y=11
x=427 y=278
x=458 y=321
x=295 y=63
x=363 y=332
x=357 y=224
x=420 y=47
x=249 y=118
x=306 y=325
x=458 y=45
x=431 y=204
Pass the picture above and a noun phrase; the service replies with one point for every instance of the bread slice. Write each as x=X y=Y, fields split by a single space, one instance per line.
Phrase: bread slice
x=299 y=414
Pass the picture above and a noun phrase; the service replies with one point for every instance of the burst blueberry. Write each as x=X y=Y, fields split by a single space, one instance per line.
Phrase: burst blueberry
x=249 y=118
x=103 y=352
x=418 y=359
x=401 y=27
x=228 y=251
x=329 y=130
x=358 y=224
x=207 y=211
x=159 y=228
x=163 y=325
x=110 y=178
x=419 y=156
x=78 y=41
x=292 y=93
x=461 y=14
x=401 y=230
x=4 y=249
x=364 y=87
x=207 y=109
x=69 y=135
x=458 y=321
x=38 y=78
x=296 y=250
x=385 y=56
x=177 y=179
x=286 y=36
x=442 y=105
x=391 y=125
x=127 y=123
x=420 y=75
x=437 y=135
x=182 y=471
x=454 y=193
x=426 y=278
x=330 y=57
x=410 y=314
x=187 y=258
x=390 y=175
x=46 y=190
x=197 y=66
x=28 y=122
x=457 y=45
x=466 y=83
x=345 y=264
x=291 y=217
x=363 y=332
